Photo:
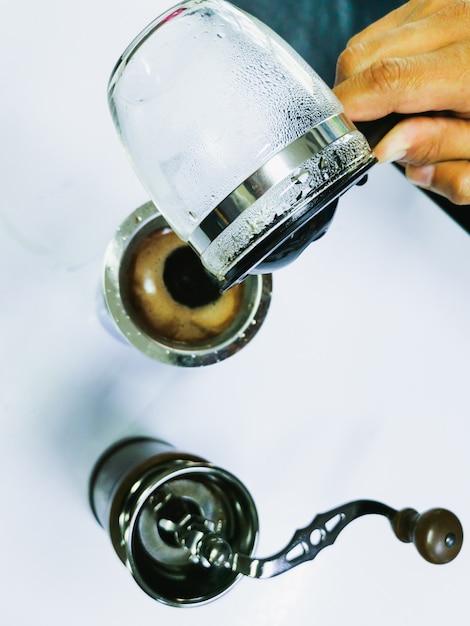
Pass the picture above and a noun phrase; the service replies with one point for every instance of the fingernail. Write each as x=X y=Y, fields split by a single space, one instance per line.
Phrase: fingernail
x=392 y=157
x=421 y=176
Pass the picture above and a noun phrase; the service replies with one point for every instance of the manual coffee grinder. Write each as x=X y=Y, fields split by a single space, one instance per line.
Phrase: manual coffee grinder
x=187 y=529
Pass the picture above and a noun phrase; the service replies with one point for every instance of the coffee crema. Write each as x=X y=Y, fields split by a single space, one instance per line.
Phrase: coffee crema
x=173 y=296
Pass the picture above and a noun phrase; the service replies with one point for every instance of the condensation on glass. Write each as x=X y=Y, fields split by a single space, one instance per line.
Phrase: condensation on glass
x=237 y=140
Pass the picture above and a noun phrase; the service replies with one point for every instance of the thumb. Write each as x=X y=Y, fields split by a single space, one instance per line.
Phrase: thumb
x=424 y=140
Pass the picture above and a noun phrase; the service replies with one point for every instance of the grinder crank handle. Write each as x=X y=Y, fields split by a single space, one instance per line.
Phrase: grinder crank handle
x=437 y=535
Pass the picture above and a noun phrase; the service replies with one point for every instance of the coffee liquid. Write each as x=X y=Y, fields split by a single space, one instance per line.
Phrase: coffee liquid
x=173 y=296
x=187 y=281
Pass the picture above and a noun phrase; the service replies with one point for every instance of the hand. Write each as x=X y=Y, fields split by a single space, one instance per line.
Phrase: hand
x=416 y=60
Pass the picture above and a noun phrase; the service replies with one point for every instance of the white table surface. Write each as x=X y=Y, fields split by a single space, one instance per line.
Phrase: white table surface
x=357 y=385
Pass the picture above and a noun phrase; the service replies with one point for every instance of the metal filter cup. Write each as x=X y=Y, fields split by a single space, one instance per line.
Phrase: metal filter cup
x=162 y=301
x=139 y=482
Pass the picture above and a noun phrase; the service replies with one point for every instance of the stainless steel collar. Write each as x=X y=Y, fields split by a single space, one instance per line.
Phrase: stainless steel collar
x=281 y=165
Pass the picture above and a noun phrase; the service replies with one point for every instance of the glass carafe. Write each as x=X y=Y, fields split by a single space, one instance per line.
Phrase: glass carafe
x=240 y=144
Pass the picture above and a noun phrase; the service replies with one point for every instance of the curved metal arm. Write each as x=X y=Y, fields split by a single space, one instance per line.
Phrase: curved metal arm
x=307 y=542
x=437 y=534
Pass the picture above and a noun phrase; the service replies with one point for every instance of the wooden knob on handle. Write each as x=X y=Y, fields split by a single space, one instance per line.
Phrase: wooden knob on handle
x=437 y=533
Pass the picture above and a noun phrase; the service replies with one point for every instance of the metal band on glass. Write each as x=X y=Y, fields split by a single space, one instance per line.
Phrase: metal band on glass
x=270 y=174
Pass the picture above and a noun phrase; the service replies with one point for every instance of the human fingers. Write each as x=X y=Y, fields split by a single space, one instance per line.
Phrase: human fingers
x=434 y=81
x=420 y=141
x=390 y=21
x=435 y=152
x=419 y=9
x=410 y=39
x=450 y=179
x=409 y=11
